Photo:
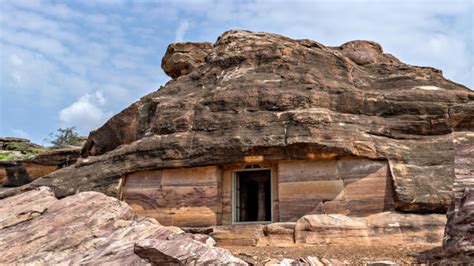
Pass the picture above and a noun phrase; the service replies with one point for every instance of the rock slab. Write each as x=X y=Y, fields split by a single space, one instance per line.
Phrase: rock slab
x=92 y=228
x=379 y=229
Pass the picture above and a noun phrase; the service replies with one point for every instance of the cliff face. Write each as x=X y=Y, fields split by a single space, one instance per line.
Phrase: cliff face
x=459 y=233
x=22 y=161
x=261 y=94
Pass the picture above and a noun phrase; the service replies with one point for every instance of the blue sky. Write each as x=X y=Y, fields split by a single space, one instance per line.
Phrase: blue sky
x=76 y=63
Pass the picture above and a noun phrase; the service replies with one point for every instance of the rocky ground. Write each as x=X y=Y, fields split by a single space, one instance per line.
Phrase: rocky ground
x=356 y=255
x=91 y=228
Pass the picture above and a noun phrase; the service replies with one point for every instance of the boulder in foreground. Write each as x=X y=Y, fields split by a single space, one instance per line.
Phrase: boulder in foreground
x=92 y=228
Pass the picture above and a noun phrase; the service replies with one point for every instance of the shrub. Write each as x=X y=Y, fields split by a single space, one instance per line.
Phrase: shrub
x=6 y=156
x=64 y=137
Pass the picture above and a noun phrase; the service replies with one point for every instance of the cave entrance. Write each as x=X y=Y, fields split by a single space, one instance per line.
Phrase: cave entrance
x=252 y=196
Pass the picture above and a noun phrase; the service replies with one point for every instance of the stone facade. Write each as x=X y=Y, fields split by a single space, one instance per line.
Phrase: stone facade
x=355 y=187
x=205 y=196
x=179 y=197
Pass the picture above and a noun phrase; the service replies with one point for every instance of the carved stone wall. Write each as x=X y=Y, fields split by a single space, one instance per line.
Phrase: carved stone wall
x=179 y=197
x=202 y=196
x=354 y=187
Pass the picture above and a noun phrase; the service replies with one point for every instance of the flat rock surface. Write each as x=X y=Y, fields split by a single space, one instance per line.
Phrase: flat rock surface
x=262 y=94
x=354 y=255
x=92 y=228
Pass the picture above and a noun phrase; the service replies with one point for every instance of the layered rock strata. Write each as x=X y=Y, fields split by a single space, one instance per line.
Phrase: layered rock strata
x=269 y=97
x=203 y=196
x=19 y=172
x=459 y=235
x=91 y=228
x=387 y=228
x=182 y=58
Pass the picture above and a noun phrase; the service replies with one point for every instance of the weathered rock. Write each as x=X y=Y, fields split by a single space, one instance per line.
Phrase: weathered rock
x=459 y=234
x=12 y=149
x=367 y=52
x=205 y=239
x=239 y=235
x=4 y=140
x=18 y=144
x=182 y=58
x=271 y=262
x=381 y=263
x=378 y=229
x=16 y=210
x=180 y=197
x=60 y=157
x=460 y=228
x=89 y=228
x=353 y=187
x=310 y=260
x=20 y=172
x=280 y=234
x=330 y=229
x=265 y=95
x=183 y=251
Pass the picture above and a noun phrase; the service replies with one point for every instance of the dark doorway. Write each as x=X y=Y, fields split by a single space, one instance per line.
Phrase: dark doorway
x=253 y=201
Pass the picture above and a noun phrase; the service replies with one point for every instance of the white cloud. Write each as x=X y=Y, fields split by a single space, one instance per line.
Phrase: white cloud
x=86 y=113
x=181 y=30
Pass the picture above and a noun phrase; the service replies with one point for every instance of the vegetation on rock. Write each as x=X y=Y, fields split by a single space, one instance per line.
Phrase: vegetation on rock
x=18 y=149
x=64 y=137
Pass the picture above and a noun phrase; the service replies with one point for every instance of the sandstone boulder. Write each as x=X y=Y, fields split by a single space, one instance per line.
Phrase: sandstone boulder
x=275 y=98
x=241 y=235
x=367 y=52
x=379 y=229
x=183 y=252
x=280 y=234
x=182 y=58
x=91 y=228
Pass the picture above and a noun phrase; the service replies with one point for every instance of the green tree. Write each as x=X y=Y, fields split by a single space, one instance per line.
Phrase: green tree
x=64 y=137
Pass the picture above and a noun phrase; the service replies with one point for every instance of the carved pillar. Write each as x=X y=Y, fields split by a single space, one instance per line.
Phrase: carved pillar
x=261 y=201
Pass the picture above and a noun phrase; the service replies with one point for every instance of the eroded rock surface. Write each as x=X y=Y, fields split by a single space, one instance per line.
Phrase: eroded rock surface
x=19 y=172
x=261 y=94
x=459 y=235
x=182 y=58
x=386 y=228
x=367 y=52
x=92 y=228
x=379 y=229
